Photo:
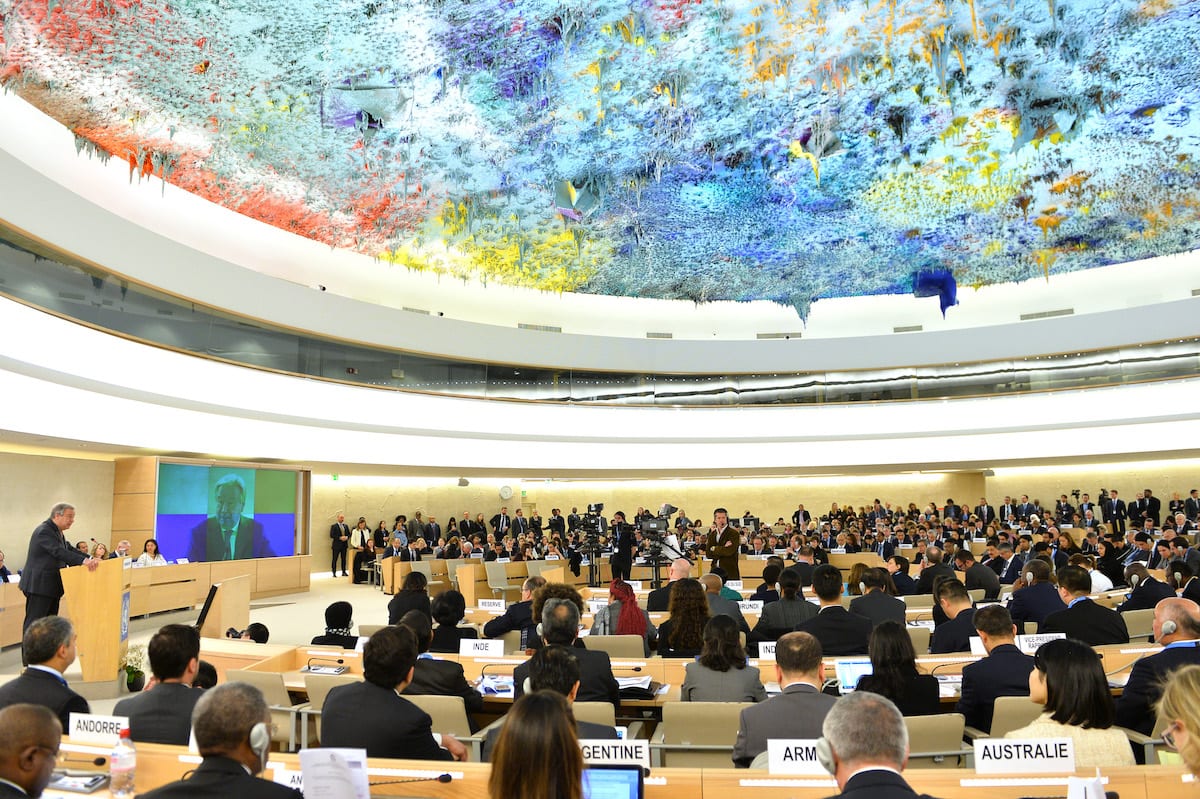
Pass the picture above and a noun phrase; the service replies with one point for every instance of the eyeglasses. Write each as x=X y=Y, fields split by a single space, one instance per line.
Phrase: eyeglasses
x=1168 y=735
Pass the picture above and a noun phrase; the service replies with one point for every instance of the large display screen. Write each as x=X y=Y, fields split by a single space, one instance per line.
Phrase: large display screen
x=208 y=513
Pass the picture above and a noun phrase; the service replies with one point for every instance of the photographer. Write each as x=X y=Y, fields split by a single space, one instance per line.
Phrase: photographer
x=623 y=539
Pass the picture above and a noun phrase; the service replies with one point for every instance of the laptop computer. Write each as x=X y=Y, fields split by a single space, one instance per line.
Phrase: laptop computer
x=613 y=782
x=848 y=672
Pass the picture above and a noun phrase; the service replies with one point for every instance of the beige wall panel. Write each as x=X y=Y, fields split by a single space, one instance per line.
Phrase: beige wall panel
x=135 y=475
x=133 y=513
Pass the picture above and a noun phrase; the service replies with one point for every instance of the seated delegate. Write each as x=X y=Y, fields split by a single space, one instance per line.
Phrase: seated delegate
x=722 y=672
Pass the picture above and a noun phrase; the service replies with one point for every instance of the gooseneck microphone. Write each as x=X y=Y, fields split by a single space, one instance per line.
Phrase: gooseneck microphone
x=442 y=778
x=94 y=761
x=323 y=662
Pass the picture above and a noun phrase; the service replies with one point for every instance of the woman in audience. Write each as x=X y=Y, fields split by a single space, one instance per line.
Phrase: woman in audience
x=1108 y=561
x=894 y=672
x=537 y=754
x=855 y=578
x=452 y=550
x=768 y=592
x=449 y=608
x=792 y=608
x=1069 y=682
x=622 y=616
x=100 y=550
x=1180 y=706
x=722 y=673
x=339 y=627
x=682 y=635
x=150 y=555
x=1100 y=582
x=413 y=595
x=1067 y=544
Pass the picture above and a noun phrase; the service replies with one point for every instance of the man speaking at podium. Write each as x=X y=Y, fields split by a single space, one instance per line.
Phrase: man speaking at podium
x=49 y=552
x=228 y=536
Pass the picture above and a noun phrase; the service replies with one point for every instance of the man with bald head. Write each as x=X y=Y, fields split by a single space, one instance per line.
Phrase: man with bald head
x=232 y=724
x=719 y=605
x=29 y=738
x=660 y=598
x=1177 y=628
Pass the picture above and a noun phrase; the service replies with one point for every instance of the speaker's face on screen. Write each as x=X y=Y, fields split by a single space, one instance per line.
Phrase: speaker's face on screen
x=230 y=501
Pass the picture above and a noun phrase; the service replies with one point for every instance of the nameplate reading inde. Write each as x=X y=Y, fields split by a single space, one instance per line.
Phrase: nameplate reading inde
x=490 y=604
x=793 y=756
x=477 y=647
x=88 y=728
x=751 y=606
x=598 y=751
x=1025 y=756
x=766 y=650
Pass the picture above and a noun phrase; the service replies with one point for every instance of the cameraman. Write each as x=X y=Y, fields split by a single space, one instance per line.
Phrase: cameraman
x=622 y=558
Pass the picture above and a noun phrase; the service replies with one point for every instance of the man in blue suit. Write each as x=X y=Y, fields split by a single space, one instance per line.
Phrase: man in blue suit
x=1177 y=628
x=1038 y=599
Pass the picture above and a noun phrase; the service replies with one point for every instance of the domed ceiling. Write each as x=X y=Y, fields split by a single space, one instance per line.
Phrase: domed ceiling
x=684 y=150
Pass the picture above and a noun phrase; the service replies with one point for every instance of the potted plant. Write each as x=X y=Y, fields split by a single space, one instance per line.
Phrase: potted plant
x=134 y=664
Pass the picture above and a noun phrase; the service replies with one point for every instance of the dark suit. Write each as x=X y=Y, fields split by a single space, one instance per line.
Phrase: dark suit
x=919 y=696
x=336 y=531
x=659 y=600
x=222 y=778
x=208 y=544
x=720 y=606
x=803 y=571
x=839 y=631
x=408 y=555
x=879 y=607
x=1149 y=592
x=925 y=581
x=1091 y=623
x=796 y=713
x=43 y=688
x=363 y=715
x=446 y=638
x=954 y=635
x=723 y=549
x=879 y=784
x=162 y=715
x=500 y=524
x=1135 y=706
x=443 y=678
x=622 y=557
x=518 y=616
x=1191 y=508
x=906 y=585
x=1004 y=672
x=404 y=601
x=596 y=681
x=1115 y=515
x=40 y=581
x=586 y=730
x=980 y=576
x=1034 y=603
x=1012 y=570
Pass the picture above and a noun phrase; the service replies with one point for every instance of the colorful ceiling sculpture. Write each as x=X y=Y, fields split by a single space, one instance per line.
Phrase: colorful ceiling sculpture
x=696 y=149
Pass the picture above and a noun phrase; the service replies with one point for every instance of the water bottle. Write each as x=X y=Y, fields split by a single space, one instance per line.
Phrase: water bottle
x=122 y=767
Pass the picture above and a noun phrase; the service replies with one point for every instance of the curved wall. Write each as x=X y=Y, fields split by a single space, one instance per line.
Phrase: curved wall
x=166 y=238
x=65 y=380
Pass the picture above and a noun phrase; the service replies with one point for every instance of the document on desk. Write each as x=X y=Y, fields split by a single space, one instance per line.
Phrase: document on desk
x=949 y=685
x=497 y=685
x=335 y=773
x=634 y=682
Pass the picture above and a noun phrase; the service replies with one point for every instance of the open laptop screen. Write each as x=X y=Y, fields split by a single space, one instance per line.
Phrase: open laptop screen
x=848 y=672
x=613 y=782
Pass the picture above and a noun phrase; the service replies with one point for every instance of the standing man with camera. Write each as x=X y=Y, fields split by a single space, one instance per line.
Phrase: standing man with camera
x=622 y=558
x=723 y=544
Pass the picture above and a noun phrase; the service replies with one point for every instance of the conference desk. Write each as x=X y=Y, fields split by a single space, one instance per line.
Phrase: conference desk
x=158 y=765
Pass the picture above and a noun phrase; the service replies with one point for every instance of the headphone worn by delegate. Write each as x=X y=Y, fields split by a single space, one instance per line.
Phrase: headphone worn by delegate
x=260 y=742
x=1169 y=626
x=1134 y=579
x=825 y=755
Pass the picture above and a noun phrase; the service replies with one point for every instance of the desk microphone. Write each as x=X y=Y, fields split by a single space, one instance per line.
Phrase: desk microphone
x=75 y=772
x=511 y=667
x=95 y=761
x=442 y=778
x=627 y=668
x=325 y=661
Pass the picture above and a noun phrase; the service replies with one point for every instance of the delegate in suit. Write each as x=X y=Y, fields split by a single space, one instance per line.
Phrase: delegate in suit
x=48 y=646
x=163 y=715
x=228 y=536
x=1177 y=628
x=723 y=544
x=560 y=626
x=1083 y=619
x=865 y=748
x=48 y=553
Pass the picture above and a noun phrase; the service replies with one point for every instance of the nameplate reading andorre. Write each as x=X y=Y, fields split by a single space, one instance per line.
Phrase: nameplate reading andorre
x=481 y=647
x=793 y=756
x=598 y=751
x=1025 y=756
x=85 y=727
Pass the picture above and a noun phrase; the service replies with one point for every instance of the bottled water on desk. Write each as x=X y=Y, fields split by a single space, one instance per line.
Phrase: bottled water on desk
x=122 y=767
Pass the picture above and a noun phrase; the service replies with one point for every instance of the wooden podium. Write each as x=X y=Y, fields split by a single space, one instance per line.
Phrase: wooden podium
x=97 y=603
x=230 y=607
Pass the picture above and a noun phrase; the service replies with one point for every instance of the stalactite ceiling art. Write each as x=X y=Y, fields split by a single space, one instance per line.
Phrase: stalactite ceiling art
x=689 y=149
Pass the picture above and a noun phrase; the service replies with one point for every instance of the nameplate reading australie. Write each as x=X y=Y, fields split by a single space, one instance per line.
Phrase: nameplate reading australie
x=96 y=729
x=481 y=647
x=793 y=756
x=490 y=604
x=1024 y=756
x=616 y=752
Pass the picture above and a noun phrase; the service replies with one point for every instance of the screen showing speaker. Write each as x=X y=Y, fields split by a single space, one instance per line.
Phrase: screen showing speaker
x=211 y=513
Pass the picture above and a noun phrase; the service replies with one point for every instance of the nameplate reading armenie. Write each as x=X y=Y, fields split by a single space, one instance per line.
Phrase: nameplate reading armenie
x=481 y=647
x=597 y=751
x=793 y=756
x=88 y=728
x=1018 y=755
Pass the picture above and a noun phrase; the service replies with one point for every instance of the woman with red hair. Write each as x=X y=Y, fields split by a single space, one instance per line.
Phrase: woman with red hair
x=622 y=616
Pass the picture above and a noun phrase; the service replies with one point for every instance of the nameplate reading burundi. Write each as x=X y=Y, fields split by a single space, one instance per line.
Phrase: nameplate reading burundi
x=476 y=647
x=793 y=756
x=1035 y=755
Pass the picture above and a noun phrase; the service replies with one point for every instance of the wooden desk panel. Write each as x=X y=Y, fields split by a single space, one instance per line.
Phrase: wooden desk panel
x=12 y=614
x=279 y=575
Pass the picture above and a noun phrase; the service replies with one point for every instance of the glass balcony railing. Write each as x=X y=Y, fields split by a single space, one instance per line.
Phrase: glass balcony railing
x=33 y=275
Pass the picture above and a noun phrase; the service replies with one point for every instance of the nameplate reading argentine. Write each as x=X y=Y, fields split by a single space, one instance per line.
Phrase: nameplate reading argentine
x=793 y=756
x=598 y=751
x=1034 y=755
